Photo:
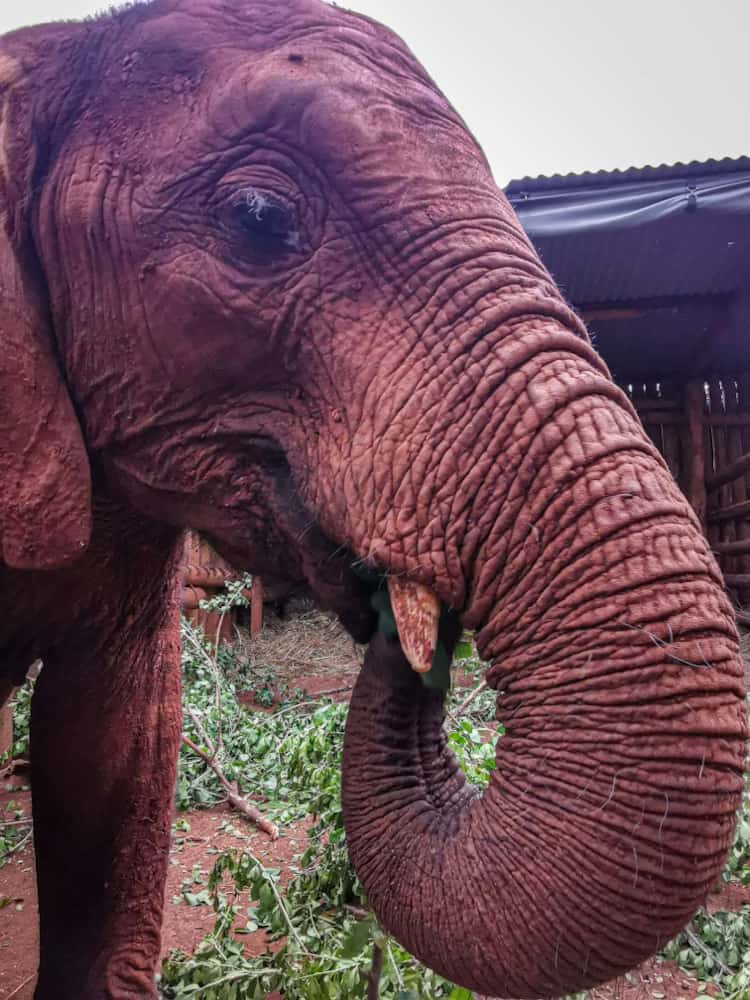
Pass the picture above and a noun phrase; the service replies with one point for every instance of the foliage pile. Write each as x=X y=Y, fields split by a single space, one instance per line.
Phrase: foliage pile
x=15 y=825
x=323 y=941
x=291 y=758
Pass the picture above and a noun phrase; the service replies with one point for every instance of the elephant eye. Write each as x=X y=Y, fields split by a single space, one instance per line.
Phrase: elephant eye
x=270 y=225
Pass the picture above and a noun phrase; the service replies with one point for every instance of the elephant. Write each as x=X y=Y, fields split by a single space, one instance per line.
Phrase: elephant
x=257 y=280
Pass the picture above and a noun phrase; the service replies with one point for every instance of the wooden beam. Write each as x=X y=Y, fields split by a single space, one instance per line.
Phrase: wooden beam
x=728 y=419
x=739 y=548
x=735 y=512
x=732 y=471
x=635 y=308
x=605 y=312
x=695 y=401
x=646 y=403
x=256 y=607
x=670 y=418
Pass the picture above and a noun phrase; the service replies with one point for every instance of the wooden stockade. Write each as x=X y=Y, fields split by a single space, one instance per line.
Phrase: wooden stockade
x=205 y=575
x=702 y=428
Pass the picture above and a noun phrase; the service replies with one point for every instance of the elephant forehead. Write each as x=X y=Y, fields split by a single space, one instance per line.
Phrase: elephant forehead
x=249 y=63
x=329 y=101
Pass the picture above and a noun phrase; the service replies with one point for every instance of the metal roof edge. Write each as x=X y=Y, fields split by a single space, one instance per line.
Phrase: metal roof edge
x=696 y=168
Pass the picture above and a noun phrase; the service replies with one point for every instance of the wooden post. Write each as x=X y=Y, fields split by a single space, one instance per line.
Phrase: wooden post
x=256 y=607
x=695 y=401
x=736 y=511
x=739 y=547
x=729 y=472
x=6 y=718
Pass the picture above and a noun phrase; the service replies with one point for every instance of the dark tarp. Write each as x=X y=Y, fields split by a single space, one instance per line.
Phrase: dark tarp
x=675 y=237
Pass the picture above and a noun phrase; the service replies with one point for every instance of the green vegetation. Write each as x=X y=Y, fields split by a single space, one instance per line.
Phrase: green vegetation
x=323 y=942
x=291 y=760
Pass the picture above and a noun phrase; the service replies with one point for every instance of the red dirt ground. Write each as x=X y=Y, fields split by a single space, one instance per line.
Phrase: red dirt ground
x=185 y=925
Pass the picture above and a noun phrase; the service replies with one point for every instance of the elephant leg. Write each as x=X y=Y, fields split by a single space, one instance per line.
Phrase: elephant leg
x=105 y=731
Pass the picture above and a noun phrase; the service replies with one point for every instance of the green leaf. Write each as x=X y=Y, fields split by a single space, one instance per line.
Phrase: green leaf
x=463 y=651
x=357 y=939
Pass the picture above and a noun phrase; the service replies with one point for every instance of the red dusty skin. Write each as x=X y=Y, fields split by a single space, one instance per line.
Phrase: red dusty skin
x=416 y=609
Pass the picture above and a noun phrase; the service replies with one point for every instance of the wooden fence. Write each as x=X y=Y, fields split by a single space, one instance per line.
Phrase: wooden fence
x=205 y=574
x=702 y=428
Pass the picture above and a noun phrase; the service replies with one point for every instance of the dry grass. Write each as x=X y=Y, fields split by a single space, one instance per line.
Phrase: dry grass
x=306 y=643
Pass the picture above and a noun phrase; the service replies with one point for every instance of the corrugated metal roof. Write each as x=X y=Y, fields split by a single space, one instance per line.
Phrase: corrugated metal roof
x=673 y=232
x=592 y=178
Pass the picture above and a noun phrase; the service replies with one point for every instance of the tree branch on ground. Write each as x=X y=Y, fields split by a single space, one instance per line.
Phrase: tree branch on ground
x=236 y=799
x=373 y=976
x=456 y=714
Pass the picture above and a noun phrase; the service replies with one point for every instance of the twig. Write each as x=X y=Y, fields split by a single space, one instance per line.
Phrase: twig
x=697 y=943
x=373 y=976
x=394 y=965
x=290 y=925
x=18 y=764
x=234 y=795
x=21 y=844
x=458 y=712
x=211 y=662
x=217 y=685
x=330 y=691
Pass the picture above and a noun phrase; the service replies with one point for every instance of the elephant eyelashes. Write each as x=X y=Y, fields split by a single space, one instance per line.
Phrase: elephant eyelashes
x=269 y=225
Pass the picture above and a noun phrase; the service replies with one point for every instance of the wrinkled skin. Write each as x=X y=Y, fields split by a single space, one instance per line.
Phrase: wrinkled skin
x=257 y=279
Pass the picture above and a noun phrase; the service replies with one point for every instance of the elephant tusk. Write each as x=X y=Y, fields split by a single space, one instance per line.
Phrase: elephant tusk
x=416 y=610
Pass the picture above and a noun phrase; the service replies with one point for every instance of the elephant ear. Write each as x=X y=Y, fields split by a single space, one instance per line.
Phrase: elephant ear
x=45 y=486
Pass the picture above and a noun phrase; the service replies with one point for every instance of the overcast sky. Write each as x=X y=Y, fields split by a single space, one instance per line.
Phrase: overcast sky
x=566 y=85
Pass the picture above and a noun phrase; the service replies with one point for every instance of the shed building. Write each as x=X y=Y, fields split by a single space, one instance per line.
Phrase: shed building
x=657 y=261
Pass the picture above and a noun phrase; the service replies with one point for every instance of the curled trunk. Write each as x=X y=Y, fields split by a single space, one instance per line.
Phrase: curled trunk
x=611 y=809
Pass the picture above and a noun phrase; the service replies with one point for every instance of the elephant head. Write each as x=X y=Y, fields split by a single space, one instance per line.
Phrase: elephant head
x=258 y=279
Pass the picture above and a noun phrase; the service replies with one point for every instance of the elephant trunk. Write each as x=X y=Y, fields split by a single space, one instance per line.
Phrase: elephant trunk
x=612 y=806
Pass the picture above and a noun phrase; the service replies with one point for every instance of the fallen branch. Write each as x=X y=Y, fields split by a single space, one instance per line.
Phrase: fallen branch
x=373 y=976
x=21 y=843
x=696 y=942
x=11 y=768
x=235 y=797
x=330 y=691
x=456 y=714
x=233 y=793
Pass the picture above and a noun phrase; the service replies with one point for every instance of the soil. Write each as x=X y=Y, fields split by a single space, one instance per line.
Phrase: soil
x=193 y=852
x=314 y=655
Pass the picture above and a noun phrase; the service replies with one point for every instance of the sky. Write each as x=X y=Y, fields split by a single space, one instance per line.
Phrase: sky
x=565 y=85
